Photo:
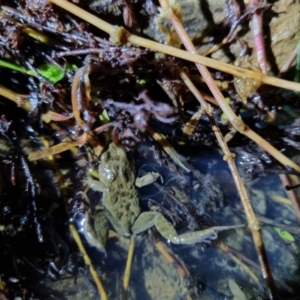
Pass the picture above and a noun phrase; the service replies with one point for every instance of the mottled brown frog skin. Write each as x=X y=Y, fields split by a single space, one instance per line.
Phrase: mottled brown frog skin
x=117 y=175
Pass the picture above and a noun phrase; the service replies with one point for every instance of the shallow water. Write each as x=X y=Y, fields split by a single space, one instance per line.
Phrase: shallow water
x=208 y=269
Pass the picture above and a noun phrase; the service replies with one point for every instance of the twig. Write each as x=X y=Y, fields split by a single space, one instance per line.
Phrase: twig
x=35 y=155
x=120 y=34
x=20 y=99
x=233 y=252
x=88 y=262
x=280 y=199
x=238 y=257
x=258 y=37
x=79 y=52
x=128 y=265
x=161 y=139
x=267 y=221
x=291 y=194
x=53 y=116
x=181 y=269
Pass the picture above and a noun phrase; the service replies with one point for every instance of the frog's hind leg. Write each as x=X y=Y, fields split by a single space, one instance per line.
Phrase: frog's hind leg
x=149 y=219
x=121 y=230
x=144 y=221
x=102 y=226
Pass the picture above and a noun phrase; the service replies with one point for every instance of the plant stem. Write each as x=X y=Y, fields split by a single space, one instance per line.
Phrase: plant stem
x=258 y=37
x=253 y=223
x=20 y=99
x=88 y=262
x=233 y=70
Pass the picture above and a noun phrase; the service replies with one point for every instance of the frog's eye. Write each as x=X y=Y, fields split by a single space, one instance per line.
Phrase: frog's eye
x=109 y=174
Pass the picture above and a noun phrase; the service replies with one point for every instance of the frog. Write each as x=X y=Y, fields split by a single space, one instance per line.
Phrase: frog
x=117 y=182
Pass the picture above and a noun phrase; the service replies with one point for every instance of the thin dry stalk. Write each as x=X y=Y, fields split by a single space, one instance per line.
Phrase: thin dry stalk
x=79 y=52
x=253 y=223
x=291 y=194
x=177 y=263
x=161 y=139
x=20 y=99
x=128 y=264
x=53 y=116
x=245 y=260
x=267 y=221
x=251 y=218
x=88 y=262
x=280 y=199
x=238 y=260
x=258 y=37
x=56 y=149
x=120 y=34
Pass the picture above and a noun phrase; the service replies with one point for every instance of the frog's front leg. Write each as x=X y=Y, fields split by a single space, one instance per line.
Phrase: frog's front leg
x=96 y=185
x=147 y=179
x=148 y=219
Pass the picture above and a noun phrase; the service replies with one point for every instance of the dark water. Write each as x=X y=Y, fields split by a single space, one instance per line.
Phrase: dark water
x=201 y=271
x=209 y=268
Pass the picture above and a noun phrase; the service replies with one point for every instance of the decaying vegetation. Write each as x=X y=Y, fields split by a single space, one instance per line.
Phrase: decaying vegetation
x=71 y=83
